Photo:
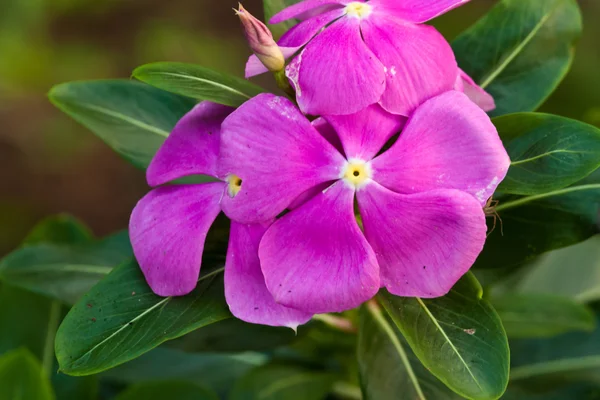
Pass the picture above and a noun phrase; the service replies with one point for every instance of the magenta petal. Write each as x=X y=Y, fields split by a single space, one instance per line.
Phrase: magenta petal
x=306 y=9
x=448 y=143
x=337 y=73
x=418 y=61
x=278 y=155
x=245 y=289
x=192 y=147
x=424 y=242
x=466 y=84
x=417 y=10
x=364 y=133
x=255 y=67
x=316 y=258
x=167 y=231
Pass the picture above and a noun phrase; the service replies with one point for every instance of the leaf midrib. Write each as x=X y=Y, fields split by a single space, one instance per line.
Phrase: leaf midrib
x=58 y=267
x=528 y=199
x=549 y=153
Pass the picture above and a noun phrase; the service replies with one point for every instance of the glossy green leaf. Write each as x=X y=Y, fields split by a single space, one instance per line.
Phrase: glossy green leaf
x=215 y=371
x=458 y=337
x=388 y=368
x=161 y=390
x=538 y=315
x=547 y=152
x=274 y=382
x=271 y=8
x=21 y=377
x=120 y=319
x=520 y=51
x=132 y=118
x=61 y=228
x=197 y=82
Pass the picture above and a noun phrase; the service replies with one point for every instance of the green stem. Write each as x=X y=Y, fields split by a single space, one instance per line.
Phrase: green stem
x=345 y=390
x=284 y=84
x=338 y=323
x=53 y=320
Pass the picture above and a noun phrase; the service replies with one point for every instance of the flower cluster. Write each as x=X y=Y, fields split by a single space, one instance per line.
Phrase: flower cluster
x=386 y=188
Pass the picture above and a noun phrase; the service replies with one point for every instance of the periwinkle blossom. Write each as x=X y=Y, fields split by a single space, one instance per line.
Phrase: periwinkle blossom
x=354 y=53
x=420 y=201
x=169 y=225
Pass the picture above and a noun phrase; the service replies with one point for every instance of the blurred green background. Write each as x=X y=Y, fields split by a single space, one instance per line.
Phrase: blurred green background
x=50 y=164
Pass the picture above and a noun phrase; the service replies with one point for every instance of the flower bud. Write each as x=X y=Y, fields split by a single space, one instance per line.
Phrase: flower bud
x=261 y=41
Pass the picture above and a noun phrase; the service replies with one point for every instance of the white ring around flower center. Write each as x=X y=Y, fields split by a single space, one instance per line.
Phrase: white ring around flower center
x=357 y=9
x=357 y=173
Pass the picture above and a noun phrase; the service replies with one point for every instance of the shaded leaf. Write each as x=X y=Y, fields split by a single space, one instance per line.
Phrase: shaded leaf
x=61 y=228
x=21 y=377
x=272 y=7
x=180 y=390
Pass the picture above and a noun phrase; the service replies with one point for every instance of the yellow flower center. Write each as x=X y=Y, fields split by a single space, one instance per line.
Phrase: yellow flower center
x=234 y=185
x=357 y=173
x=358 y=10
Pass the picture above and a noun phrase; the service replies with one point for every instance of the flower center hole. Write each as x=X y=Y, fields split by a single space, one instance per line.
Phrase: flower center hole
x=238 y=182
x=356 y=173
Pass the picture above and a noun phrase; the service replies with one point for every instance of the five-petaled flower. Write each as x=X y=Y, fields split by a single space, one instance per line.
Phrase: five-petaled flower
x=420 y=200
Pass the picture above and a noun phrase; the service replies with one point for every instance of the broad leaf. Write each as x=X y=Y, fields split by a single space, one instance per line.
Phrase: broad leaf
x=132 y=118
x=271 y=8
x=61 y=228
x=21 y=377
x=547 y=152
x=120 y=319
x=388 y=368
x=197 y=82
x=571 y=392
x=65 y=271
x=520 y=51
x=161 y=390
x=458 y=337
x=274 y=382
x=538 y=315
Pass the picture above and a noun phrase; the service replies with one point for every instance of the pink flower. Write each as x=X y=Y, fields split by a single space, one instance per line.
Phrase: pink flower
x=356 y=53
x=169 y=225
x=466 y=84
x=420 y=201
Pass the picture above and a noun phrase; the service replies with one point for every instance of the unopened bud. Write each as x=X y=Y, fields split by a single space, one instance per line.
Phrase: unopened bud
x=261 y=41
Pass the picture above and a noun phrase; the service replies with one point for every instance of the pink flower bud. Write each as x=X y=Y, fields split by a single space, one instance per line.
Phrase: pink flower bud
x=261 y=41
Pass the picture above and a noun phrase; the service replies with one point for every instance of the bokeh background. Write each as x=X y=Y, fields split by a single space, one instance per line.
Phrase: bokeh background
x=50 y=164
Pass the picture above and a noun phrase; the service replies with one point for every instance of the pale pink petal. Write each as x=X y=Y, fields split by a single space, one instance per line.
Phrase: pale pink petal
x=245 y=289
x=337 y=73
x=466 y=84
x=417 y=10
x=307 y=9
x=448 y=143
x=167 y=231
x=192 y=147
x=364 y=133
x=424 y=242
x=316 y=258
x=278 y=155
x=255 y=67
x=419 y=62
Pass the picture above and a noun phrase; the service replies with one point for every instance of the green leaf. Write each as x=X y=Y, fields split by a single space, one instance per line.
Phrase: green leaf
x=547 y=152
x=388 y=368
x=61 y=228
x=458 y=337
x=197 y=82
x=520 y=51
x=21 y=377
x=179 y=390
x=65 y=271
x=271 y=8
x=134 y=119
x=571 y=392
x=216 y=371
x=274 y=382
x=120 y=319
x=538 y=315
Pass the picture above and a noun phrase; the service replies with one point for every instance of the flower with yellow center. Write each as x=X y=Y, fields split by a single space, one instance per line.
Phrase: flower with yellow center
x=234 y=185
x=358 y=10
x=357 y=173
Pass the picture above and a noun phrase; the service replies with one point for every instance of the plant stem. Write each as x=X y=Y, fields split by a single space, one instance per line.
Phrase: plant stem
x=338 y=323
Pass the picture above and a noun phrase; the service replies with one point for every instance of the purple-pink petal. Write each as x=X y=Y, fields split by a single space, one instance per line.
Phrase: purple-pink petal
x=418 y=61
x=245 y=289
x=448 y=143
x=316 y=258
x=424 y=242
x=278 y=155
x=364 y=133
x=307 y=9
x=417 y=10
x=466 y=84
x=167 y=231
x=192 y=147
x=336 y=73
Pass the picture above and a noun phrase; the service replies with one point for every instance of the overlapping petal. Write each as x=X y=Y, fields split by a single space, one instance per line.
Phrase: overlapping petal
x=316 y=258
x=418 y=10
x=448 y=143
x=466 y=84
x=245 y=289
x=277 y=154
x=424 y=242
x=167 y=231
x=419 y=62
x=306 y=9
x=192 y=147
